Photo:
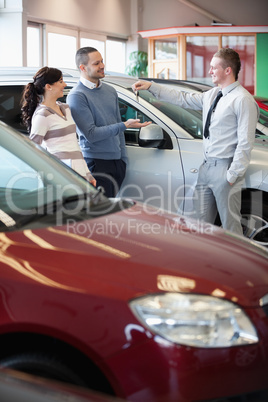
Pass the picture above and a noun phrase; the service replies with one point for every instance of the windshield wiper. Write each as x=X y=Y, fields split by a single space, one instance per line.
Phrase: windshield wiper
x=91 y=202
x=97 y=197
x=44 y=210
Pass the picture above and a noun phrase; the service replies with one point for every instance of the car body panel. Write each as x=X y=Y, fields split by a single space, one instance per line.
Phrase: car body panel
x=148 y=242
x=82 y=285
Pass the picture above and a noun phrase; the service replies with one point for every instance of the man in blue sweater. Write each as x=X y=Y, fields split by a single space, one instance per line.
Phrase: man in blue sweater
x=95 y=110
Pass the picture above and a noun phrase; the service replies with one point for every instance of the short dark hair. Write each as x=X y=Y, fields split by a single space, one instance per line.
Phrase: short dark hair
x=82 y=57
x=230 y=58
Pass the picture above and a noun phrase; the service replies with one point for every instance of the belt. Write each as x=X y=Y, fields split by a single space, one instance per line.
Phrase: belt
x=216 y=161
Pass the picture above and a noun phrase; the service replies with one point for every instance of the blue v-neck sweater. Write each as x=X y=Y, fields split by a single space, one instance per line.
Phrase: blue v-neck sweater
x=97 y=117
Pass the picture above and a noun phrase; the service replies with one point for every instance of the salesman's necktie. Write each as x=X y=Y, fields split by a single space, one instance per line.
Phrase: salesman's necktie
x=212 y=108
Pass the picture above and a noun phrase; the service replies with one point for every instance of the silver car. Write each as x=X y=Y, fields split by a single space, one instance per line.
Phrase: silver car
x=164 y=157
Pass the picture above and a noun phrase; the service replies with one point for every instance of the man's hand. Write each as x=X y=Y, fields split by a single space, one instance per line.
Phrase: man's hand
x=141 y=85
x=135 y=123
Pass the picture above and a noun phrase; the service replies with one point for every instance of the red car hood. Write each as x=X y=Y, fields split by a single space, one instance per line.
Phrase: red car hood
x=131 y=253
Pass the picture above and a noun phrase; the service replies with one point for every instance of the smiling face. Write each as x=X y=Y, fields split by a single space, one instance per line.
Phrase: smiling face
x=58 y=87
x=94 y=69
x=216 y=71
x=220 y=76
x=55 y=90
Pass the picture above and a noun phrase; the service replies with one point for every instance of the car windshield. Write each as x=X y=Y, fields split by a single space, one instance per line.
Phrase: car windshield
x=190 y=120
x=37 y=189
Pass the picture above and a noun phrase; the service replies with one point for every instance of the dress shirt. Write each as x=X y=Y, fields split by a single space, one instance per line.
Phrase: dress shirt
x=88 y=83
x=233 y=123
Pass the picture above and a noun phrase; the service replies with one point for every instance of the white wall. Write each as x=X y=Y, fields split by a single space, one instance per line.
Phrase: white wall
x=12 y=32
x=120 y=18
x=103 y=16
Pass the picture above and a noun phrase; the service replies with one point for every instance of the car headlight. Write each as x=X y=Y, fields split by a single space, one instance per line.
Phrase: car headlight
x=195 y=320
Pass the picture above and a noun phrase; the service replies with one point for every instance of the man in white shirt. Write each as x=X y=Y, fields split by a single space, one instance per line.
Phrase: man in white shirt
x=228 y=138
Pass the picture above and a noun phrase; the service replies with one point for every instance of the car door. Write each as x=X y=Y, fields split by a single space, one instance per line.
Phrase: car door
x=154 y=176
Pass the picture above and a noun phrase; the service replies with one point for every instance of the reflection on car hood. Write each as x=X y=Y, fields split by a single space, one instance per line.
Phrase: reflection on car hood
x=132 y=252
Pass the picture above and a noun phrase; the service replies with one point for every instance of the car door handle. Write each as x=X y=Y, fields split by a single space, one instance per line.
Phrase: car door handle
x=194 y=170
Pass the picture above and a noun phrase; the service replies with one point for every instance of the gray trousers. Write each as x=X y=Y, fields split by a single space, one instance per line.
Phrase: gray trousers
x=213 y=193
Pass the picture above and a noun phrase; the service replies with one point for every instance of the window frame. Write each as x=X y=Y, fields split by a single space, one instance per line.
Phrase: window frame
x=47 y=28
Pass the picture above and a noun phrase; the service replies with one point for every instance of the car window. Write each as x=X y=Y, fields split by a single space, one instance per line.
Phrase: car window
x=127 y=111
x=190 y=120
x=20 y=186
x=10 y=106
x=16 y=173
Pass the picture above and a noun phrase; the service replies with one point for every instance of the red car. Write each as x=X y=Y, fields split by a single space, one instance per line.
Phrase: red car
x=262 y=102
x=110 y=295
x=263 y=119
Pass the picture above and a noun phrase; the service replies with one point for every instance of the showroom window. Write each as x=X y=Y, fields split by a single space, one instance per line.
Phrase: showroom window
x=56 y=56
x=57 y=40
x=197 y=44
x=245 y=46
x=165 y=49
x=112 y=50
x=115 y=55
x=165 y=56
x=47 y=44
x=97 y=44
x=34 y=44
x=199 y=52
x=60 y=46
x=57 y=43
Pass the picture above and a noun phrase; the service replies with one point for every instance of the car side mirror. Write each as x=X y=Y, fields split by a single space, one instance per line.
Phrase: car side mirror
x=151 y=136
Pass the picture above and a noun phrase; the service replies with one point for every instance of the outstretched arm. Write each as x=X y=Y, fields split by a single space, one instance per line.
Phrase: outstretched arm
x=141 y=85
x=170 y=94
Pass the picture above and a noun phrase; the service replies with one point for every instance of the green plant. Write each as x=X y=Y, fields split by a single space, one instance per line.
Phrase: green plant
x=138 y=66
